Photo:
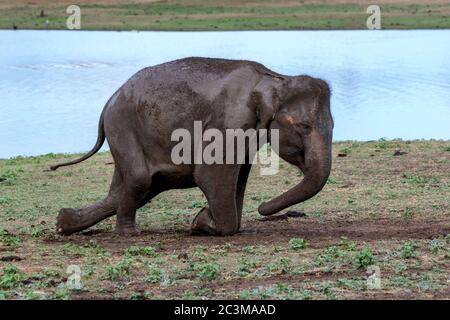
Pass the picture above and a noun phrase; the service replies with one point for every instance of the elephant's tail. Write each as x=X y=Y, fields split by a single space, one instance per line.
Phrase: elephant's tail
x=98 y=145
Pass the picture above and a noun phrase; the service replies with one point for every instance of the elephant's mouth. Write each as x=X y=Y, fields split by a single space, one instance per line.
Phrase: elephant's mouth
x=301 y=160
x=296 y=158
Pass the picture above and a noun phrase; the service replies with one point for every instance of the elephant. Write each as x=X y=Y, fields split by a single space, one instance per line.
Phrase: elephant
x=140 y=116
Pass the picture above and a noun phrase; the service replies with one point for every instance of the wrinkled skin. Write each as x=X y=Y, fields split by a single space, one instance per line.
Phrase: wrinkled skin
x=139 y=118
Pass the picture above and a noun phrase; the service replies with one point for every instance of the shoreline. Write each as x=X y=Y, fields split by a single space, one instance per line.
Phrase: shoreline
x=202 y=15
x=237 y=30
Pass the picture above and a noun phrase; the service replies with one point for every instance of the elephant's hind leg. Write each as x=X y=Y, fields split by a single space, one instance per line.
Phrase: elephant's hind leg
x=74 y=220
x=219 y=184
x=136 y=191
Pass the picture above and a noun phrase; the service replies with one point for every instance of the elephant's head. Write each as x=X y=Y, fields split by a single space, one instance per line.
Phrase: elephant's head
x=300 y=108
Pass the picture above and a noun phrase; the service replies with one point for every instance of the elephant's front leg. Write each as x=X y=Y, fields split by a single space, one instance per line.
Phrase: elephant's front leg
x=219 y=184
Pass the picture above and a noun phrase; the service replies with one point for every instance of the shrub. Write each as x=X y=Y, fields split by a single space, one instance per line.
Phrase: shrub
x=154 y=275
x=120 y=270
x=205 y=271
x=298 y=243
x=8 y=239
x=364 y=258
x=11 y=277
x=141 y=250
x=435 y=245
x=408 y=249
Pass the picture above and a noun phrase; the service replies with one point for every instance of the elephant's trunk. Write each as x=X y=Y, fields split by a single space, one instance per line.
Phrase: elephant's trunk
x=316 y=167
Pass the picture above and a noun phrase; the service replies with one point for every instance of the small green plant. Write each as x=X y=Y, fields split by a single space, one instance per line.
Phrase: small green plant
x=9 y=176
x=39 y=232
x=246 y=266
x=141 y=251
x=364 y=258
x=345 y=151
x=199 y=253
x=154 y=274
x=298 y=244
x=120 y=270
x=280 y=291
x=283 y=266
x=259 y=197
x=400 y=268
x=408 y=249
x=306 y=294
x=8 y=238
x=11 y=277
x=197 y=204
x=435 y=245
x=408 y=213
x=331 y=181
x=249 y=250
x=352 y=284
x=327 y=290
x=284 y=288
x=411 y=178
x=382 y=144
x=224 y=249
x=348 y=245
x=327 y=255
x=205 y=271
x=62 y=293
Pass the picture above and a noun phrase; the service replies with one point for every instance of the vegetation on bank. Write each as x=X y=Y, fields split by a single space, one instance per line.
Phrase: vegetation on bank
x=386 y=204
x=230 y=15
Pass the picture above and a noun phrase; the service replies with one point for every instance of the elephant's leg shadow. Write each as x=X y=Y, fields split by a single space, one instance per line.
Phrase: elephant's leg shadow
x=219 y=183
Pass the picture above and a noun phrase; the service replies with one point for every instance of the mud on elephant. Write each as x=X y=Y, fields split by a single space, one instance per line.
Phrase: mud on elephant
x=139 y=118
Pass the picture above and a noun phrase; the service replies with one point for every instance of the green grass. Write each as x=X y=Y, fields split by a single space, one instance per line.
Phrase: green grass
x=323 y=255
x=210 y=15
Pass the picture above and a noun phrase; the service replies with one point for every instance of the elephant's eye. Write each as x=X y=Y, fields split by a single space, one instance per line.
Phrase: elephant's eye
x=304 y=128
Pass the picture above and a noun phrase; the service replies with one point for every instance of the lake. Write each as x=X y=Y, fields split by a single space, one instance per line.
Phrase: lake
x=54 y=84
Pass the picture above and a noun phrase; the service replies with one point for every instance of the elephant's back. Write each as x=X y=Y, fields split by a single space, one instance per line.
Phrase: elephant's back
x=194 y=69
x=177 y=92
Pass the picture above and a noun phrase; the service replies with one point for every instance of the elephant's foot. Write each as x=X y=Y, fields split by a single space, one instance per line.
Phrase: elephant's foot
x=127 y=230
x=68 y=221
x=203 y=223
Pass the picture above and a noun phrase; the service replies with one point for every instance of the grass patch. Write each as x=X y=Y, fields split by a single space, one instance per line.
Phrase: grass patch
x=204 y=15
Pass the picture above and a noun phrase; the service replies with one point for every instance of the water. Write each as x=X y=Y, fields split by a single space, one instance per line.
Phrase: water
x=54 y=84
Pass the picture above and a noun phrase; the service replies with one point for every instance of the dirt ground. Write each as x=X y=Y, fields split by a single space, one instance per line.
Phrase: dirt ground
x=378 y=211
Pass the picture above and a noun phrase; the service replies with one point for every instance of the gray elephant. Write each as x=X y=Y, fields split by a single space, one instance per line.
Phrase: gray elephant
x=139 y=118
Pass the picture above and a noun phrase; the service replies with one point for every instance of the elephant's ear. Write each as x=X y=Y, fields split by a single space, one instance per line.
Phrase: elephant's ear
x=266 y=99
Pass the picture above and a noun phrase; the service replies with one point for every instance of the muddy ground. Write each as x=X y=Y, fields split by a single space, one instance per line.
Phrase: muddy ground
x=386 y=207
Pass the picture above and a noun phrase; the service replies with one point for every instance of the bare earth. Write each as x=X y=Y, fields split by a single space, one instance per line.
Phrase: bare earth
x=378 y=209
